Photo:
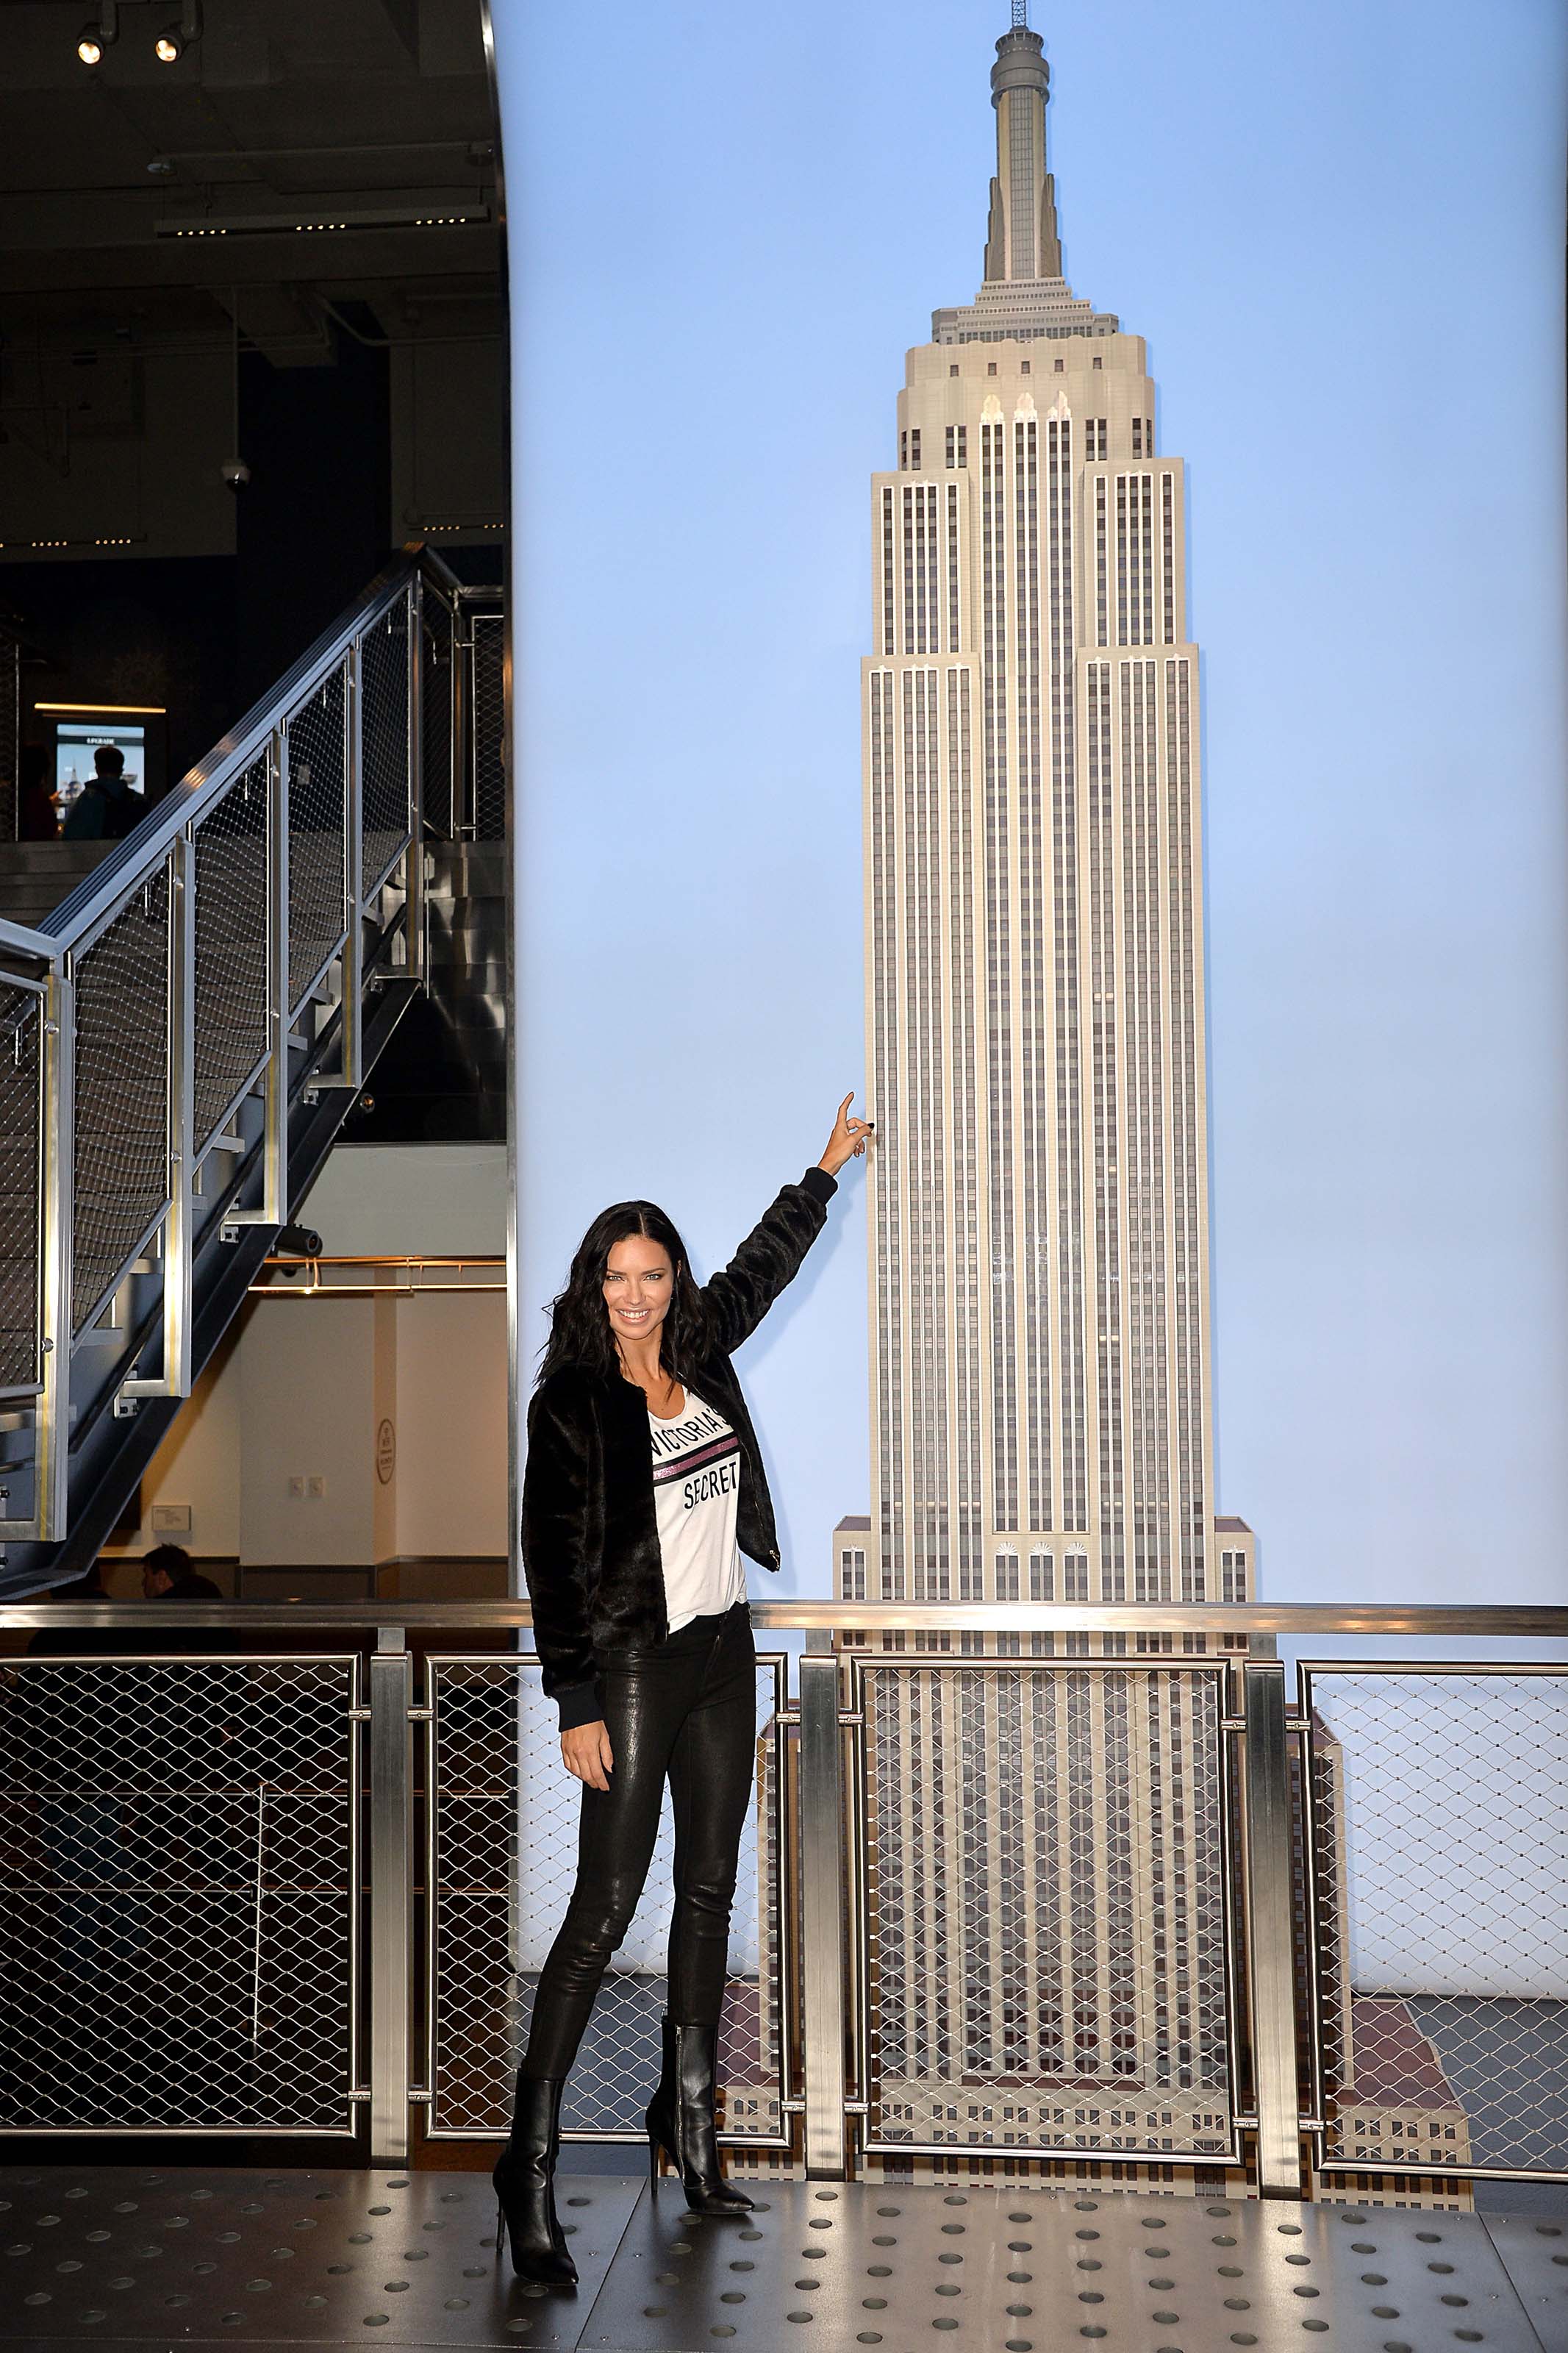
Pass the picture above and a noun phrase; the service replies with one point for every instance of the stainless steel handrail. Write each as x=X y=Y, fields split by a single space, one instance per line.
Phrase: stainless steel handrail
x=1501 y=1622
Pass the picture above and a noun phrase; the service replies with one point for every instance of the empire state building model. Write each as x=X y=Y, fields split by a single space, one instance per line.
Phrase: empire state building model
x=1041 y=1388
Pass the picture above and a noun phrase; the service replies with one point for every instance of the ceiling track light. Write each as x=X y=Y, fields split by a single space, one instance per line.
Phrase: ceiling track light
x=175 y=39
x=95 y=38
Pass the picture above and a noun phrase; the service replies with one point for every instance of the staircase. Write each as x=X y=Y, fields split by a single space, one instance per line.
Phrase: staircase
x=35 y=876
x=186 y=1018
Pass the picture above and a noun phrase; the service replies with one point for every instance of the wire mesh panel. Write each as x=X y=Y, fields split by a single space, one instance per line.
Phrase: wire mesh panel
x=503 y=1848
x=384 y=743
x=121 y=1094
x=488 y=725
x=316 y=867
x=178 y=1884
x=21 y=1112
x=231 y=859
x=440 y=782
x=1439 y=1859
x=1045 y=1907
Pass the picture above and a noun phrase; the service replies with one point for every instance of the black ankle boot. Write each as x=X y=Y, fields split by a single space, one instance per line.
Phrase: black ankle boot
x=680 y=2121
x=524 y=2182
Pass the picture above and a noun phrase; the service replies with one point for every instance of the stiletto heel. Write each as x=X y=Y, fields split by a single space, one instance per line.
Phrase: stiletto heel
x=653 y=2161
x=524 y=2185
x=680 y=2121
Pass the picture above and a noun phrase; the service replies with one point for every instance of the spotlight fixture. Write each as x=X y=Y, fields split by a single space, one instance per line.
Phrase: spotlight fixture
x=175 y=39
x=97 y=36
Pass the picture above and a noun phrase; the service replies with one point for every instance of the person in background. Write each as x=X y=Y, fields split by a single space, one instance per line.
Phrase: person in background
x=169 y=1573
x=37 y=813
x=106 y=809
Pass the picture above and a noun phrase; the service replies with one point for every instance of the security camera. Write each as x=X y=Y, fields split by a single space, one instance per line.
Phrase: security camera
x=236 y=473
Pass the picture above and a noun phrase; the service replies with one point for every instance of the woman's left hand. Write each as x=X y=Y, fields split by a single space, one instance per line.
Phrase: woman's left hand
x=849 y=1139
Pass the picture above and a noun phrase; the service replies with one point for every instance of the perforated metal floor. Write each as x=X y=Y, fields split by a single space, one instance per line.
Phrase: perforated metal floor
x=128 y=2256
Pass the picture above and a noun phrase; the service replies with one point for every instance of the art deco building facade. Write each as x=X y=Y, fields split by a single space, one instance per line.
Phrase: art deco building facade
x=1041 y=1374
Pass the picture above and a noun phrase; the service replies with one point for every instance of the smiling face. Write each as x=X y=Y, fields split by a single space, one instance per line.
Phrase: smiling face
x=639 y=1283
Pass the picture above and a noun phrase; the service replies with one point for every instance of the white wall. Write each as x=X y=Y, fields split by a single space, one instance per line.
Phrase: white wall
x=301 y=1388
x=451 y=1426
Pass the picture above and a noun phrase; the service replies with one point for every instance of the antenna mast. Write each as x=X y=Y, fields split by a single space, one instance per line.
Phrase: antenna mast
x=1021 y=14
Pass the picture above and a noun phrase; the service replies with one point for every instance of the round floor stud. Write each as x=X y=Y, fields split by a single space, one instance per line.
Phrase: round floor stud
x=825 y=2197
x=743 y=2264
x=733 y=2295
x=95 y=2314
x=1470 y=2336
x=878 y=2271
x=452 y=2303
x=1020 y=2344
x=1397 y=2345
x=1318 y=2328
x=890 y=2209
x=952 y=2199
x=1303 y=2291
x=873 y=2303
x=869 y=2337
x=1241 y=2338
x=1385 y=2312
x=1374 y=2279
x=375 y=2319
x=797 y=2316
x=721 y=2328
x=751 y=2234
x=1020 y=2311
x=666 y=2279
x=883 y=2239
x=1430 y=2238
x=945 y=2322
x=1166 y=2319
x=1161 y=2287
x=520 y=2327
x=39 y=2296
x=654 y=2311
x=1020 y=2279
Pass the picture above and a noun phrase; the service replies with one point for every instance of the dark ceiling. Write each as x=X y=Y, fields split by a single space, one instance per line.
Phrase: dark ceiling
x=130 y=188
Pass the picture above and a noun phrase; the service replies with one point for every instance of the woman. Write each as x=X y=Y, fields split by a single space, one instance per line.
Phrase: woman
x=643 y=1487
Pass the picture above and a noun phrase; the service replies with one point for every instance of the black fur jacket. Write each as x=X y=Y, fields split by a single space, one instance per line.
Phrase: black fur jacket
x=590 y=1535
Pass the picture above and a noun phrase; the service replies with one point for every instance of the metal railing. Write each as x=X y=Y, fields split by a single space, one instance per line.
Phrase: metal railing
x=464 y=713
x=149 y=1040
x=1143 y=1911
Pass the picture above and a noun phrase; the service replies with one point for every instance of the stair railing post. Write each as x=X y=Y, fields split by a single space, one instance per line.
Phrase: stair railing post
x=173 y=1376
x=273 y=1207
x=351 y=1060
x=52 y=1449
x=415 y=941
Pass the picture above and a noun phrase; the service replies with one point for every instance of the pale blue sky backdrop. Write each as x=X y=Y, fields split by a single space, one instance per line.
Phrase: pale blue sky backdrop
x=1340 y=230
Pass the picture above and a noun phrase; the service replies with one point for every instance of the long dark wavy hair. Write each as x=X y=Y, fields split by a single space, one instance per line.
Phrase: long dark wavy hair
x=580 y=1331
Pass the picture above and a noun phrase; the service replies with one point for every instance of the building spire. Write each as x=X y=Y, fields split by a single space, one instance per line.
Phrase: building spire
x=1021 y=238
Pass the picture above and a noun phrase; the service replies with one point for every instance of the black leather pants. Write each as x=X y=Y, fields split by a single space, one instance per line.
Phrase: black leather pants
x=686 y=1711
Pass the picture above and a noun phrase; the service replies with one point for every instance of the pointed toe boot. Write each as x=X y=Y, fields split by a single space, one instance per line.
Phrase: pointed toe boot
x=680 y=2121
x=525 y=2186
